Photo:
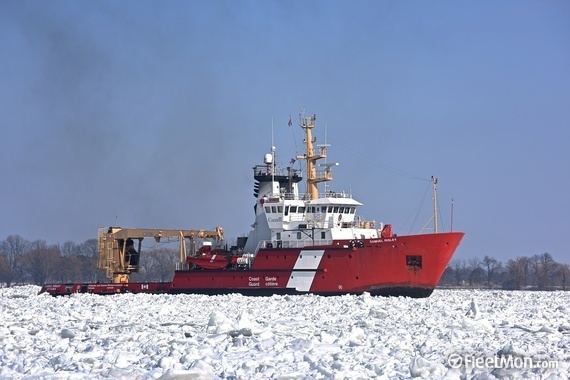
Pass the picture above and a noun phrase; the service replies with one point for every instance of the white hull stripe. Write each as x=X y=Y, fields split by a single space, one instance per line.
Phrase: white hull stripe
x=302 y=276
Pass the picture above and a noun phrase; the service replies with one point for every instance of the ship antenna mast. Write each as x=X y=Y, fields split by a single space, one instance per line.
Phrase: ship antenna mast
x=434 y=189
x=326 y=128
x=313 y=178
x=272 y=160
x=452 y=201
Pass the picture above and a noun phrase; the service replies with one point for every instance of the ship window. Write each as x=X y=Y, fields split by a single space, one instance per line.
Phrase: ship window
x=341 y=210
x=293 y=209
x=278 y=235
x=335 y=209
x=323 y=209
x=346 y=210
x=286 y=210
x=352 y=210
x=280 y=209
x=273 y=209
x=301 y=210
x=414 y=262
x=323 y=235
x=299 y=235
x=267 y=209
x=330 y=209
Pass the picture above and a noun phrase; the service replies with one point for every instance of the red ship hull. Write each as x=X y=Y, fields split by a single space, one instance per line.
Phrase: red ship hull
x=402 y=265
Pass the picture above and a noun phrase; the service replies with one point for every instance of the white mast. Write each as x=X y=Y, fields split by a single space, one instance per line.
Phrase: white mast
x=272 y=160
x=434 y=196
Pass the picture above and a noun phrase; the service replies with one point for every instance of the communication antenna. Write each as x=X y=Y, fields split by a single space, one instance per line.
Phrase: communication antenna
x=452 y=203
x=272 y=160
x=435 y=211
x=326 y=128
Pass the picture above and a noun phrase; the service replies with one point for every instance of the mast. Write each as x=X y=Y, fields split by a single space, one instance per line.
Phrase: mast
x=452 y=214
x=272 y=161
x=434 y=196
x=313 y=177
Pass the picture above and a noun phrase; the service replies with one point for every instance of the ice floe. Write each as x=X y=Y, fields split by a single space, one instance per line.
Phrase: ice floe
x=173 y=337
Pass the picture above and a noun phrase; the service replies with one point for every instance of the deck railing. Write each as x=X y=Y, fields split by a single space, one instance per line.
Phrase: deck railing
x=328 y=194
x=291 y=243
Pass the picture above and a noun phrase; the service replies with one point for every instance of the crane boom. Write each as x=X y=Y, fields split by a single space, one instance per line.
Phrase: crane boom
x=119 y=258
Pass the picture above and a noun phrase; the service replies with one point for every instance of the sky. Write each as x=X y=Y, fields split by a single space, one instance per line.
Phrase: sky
x=152 y=114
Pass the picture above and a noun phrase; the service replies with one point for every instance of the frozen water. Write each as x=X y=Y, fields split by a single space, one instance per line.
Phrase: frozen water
x=147 y=336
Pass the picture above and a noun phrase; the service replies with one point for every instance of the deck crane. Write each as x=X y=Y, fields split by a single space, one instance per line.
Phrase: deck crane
x=119 y=258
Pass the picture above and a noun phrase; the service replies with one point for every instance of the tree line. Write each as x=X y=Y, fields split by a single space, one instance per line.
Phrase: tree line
x=37 y=262
x=538 y=272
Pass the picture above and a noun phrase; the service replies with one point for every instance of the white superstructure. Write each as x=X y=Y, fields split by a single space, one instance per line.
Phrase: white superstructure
x=285 y=218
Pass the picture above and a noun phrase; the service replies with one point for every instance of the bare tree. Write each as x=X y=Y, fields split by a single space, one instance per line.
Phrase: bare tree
x=490 y=265
x=563 y=272
x=13 y=248
x=476 y=274
x=459 y=268
x=516 y=273
x=88 y=248
x=158 y=264
x=41 y=262
x=5 y=272
x=542 y=266
x=70 y=248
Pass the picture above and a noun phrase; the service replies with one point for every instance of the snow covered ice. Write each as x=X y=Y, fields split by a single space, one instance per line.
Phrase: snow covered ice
x=286 y=337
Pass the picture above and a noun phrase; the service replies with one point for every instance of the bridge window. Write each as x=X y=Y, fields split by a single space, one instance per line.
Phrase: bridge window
x=286 y=210
x=330 y=209
x=341 y=210
x=267 y=209
x=273 y=209
x=335 y=209
x=301 y=210
x=352 y=210
x=347 y=210
x=280 y=209
x=293 y=209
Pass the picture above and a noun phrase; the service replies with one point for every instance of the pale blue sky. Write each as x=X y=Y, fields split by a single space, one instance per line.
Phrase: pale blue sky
x=153 y=113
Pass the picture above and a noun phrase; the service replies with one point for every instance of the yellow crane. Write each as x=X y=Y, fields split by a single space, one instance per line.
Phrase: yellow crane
x=118 y=256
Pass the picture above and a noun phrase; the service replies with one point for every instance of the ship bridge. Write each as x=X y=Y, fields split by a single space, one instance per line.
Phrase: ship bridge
x=285 y=217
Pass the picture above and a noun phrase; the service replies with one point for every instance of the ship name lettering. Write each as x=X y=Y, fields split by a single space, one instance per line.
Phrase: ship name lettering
x=253 y=284
x=267 y=278
x=382 y=240
x=254 y=279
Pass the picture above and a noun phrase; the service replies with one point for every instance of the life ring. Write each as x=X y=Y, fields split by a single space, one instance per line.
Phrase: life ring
x=339 y=217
